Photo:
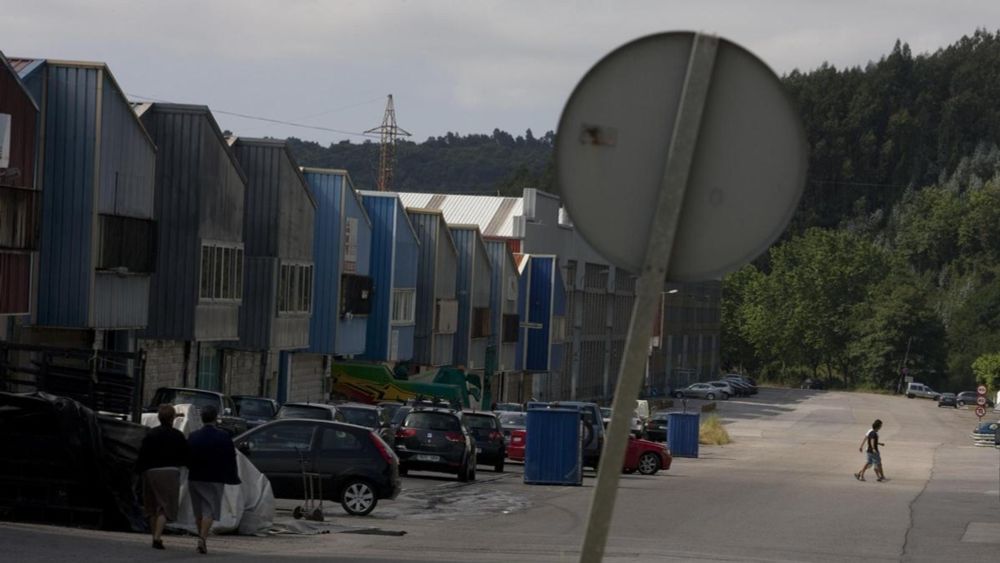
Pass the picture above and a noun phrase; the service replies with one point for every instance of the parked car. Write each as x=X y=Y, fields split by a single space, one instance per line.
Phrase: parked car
x=228 y=420
x=947 y=400
x=984 y=434
x=645 y=457
x=635 y=423
x=508 y=407
x=969 y=398
x=255 y=410
x=434 y=439
x=921 y=390
x=656 y=427
x=491 y=449
x=518 y=440
x=742 y=388
x=810 y=383
x=699 y=391
x=387 y=409
x=593 y=428
x=360 y=414
x=313 y=411
x=358 y=469
x=510 y=421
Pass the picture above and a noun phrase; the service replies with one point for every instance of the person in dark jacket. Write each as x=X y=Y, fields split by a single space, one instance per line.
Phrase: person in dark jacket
x=211 y=468
x=163 y=452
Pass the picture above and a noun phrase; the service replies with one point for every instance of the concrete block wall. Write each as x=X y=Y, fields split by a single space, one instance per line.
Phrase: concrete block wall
x=165 y=366
x=307 y=380
x=241 y=373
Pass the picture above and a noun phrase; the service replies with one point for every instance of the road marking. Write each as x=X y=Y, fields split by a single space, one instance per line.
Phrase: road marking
x=982 y=532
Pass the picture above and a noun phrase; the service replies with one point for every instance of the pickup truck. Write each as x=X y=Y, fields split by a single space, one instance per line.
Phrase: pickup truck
x=229 y=420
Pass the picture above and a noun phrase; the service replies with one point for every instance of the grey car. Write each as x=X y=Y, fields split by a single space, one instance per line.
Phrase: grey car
x=699 y=391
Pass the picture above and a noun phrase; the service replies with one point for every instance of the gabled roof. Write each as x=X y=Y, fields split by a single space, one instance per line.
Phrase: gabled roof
x=494 y=215
x=26 y=66
x=399 y=207
x=142 y=108
x=17 y=78
x=283 y=146
x=350 y=185
x=440 y=217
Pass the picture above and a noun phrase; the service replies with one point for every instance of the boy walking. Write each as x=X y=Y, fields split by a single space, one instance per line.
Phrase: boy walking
x=873 y=457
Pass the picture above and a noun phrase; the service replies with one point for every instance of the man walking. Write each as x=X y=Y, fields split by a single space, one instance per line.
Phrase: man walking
x=212 y=467
x=873 y=457
x=163 y=452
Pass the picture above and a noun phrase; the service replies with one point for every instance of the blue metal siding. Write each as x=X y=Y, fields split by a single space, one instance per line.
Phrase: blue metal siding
x=327 y=245
x=405 y=275
x=382 y=211
x=437 y=269
x=66 y=270
x=539 y=311
x=128 y=159
x=465 y=241
x=556 y=346
x=352 y=334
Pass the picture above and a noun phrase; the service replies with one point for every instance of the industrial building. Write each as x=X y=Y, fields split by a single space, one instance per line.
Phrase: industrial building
x=437 y=303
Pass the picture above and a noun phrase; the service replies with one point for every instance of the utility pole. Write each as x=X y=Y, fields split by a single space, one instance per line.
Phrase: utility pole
x=388 y=133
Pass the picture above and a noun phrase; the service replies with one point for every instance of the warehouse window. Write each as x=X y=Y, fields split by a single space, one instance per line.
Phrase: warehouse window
x=221 y=272
x=295 y=288
x=481 y=322
x=355 y=295
x=128 y=244
x=511 y=327
x=18 y=211
x=403 y=306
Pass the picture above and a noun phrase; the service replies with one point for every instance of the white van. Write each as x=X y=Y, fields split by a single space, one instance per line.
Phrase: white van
x=922 y=391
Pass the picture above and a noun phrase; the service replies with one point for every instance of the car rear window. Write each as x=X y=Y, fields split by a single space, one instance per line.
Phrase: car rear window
x=362 y=417
x=479 y=421
x=179 y=397
x=513 y=418
x=432 y=421
x=298 y=411
x=255 y=407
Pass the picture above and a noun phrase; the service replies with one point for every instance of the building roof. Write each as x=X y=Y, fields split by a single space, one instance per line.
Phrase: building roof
x=493 y=214
x=14 y=71
x=283 y=147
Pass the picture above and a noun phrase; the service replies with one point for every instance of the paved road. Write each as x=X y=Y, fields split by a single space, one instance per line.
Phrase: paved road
x=783 y=491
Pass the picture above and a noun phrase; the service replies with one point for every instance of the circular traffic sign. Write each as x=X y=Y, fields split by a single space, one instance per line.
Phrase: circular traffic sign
x=981 y=401
x=981 y=389
x=747 y=170
x=980 y=412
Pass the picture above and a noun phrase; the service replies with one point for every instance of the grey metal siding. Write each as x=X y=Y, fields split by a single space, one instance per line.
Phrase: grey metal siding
x=297 y=213
x=260 y=286
x=120 y=301
x=261 y=216
x=127 y=161
x=437 y=269
x=69 y=102
x=214 y=321
x=290 y=332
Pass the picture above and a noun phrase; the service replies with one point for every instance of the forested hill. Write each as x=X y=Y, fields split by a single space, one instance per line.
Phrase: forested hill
x=480 y=164
x=900 y=122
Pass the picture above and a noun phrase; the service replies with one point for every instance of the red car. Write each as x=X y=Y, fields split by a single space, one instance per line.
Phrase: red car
x=515 y=449
x=646 y=457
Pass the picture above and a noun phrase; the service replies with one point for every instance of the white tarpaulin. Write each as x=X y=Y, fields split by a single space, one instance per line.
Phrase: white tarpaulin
x=247 y=508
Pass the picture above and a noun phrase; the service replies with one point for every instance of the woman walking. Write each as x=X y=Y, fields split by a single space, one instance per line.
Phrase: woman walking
x=163 y=452
x=212 y=467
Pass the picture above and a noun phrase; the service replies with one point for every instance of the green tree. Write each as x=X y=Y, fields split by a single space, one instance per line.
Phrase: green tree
x=987 y=370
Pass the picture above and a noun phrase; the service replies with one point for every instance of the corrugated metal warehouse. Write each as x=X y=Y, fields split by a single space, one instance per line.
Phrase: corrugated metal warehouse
x=394 y=256
x=473 y=288
x=437 y=303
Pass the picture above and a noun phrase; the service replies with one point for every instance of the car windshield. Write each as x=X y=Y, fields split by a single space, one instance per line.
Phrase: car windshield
x=513 y=418
x=480 y=421
x=360 y=416
x=400 y=414
x=303 y=411
x=432 y=421
x=605 y=412
x=255 y=407
x=186 y=397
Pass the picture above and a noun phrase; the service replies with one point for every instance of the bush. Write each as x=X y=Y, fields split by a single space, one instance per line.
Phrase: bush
x=712 y=432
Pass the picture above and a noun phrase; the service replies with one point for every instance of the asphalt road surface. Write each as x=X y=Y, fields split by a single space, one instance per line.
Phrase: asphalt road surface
x=782 y=491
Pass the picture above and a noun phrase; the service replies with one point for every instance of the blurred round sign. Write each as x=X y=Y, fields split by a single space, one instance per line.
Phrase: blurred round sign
x=981 y=390
x=980 y=412
x=981 y=401
x=746 y=176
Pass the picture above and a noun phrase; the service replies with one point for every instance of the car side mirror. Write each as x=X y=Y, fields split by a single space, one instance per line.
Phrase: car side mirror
x=227 y=411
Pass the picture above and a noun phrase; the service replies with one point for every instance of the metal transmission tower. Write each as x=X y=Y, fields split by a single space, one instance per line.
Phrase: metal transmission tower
x=388 y=132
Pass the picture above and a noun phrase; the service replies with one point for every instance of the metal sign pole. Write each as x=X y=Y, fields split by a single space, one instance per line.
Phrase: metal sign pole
x=648 y=288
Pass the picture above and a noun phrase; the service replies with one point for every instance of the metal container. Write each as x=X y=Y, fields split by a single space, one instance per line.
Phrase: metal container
x=554 y=451
x=682 y=434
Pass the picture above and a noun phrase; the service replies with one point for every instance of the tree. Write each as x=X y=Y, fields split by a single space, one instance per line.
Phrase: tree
x=987 y=370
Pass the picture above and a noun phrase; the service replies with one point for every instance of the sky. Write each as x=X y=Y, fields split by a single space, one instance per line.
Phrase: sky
x=466 y=66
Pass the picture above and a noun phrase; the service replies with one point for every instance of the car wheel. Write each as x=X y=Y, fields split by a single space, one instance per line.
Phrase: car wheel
x=649 y=464
x=710 y=396
x=358 y=498
x=499 y=466
x=960 y=403
x=463 y=473
x=725 y=396
x=678 y=395
x=909 y=395
x=472 y=473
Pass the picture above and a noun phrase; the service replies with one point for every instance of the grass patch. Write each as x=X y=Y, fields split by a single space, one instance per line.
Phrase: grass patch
x=712 y=432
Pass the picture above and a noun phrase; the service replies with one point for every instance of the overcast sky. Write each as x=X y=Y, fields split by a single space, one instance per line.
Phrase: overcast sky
x=453 y=65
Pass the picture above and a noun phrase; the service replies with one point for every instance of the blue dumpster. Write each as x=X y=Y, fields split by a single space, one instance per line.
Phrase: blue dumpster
x=553 y=454
x=682 y=434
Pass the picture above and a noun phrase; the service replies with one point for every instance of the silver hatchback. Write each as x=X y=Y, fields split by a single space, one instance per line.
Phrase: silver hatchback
x=699 y=391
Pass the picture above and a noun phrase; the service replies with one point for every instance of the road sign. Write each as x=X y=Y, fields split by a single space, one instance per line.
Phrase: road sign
x=981 y=390
x=980 y=412
x=981 y=401
x=743 y=173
